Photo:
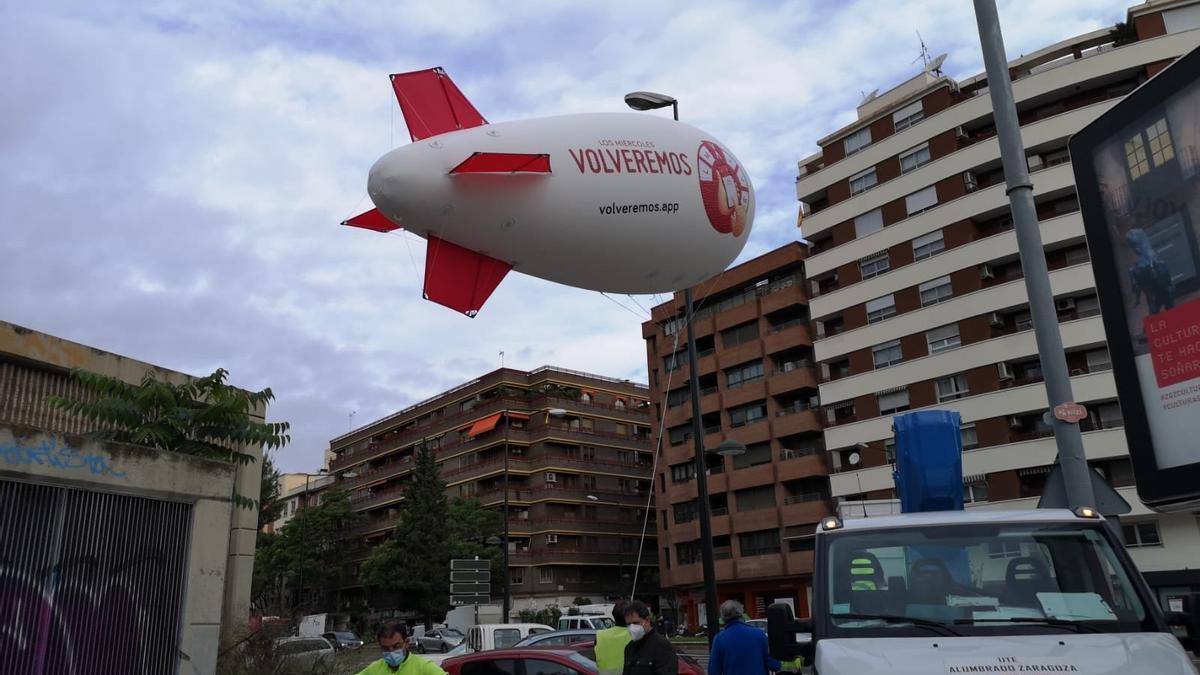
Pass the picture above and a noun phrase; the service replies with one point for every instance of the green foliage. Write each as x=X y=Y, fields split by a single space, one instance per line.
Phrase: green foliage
x=257 y=657
x=204 y=417
x=469 y=526
x=268 y=495
x=310 y=552
x=582 y=601
x=415 y=561
x=548 y=615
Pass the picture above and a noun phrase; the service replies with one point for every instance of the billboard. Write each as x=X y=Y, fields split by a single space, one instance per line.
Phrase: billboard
x=1137 y=171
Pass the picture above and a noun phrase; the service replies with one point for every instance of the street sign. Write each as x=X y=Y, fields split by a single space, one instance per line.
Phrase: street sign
x=472 y=588
x=459 y=575
x=470 y=599
x=468 y=564
x=1070 y=412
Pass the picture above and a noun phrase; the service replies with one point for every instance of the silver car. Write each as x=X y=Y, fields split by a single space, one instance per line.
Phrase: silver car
x=439 y=640
x=304 y=651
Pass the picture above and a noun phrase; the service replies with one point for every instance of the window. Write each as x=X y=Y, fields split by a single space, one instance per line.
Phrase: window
x=747 y=414
x=928 y=245
x=674 y=361
x=755 y=454
x=1087 y=306
x=952 y=387
x=1161 y=150
x=685 y=512
x=889 y=451
x=489 y=667
x=893 y=402
x=545 y=575
x=544 y=667
x=975 y=492
x=687 y=553
x=874 y=265
x=732 y=337
x=921 y=200
x=970 y=439
x=862 y=182
x=857 y=141
x=1141 y=534
x=680 y=435
x=1097 y=360
x=1108 y=415
x=915 y=158
x=681 y=473
x=880 y=308
x=908 y=115
x=752 y=499
x=887 y=354
x=516 y=575
x=747 y=372
x=764 y=542
x=1023 y=321
x=941 y=339
x=935 y=290
x=868 y=223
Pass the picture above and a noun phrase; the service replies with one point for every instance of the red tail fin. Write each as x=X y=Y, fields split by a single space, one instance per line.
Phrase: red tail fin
x=460 y=278
x=432 y=104
x=372 y=220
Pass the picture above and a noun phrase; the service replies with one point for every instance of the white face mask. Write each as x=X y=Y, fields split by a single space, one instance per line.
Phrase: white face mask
x=637 y=631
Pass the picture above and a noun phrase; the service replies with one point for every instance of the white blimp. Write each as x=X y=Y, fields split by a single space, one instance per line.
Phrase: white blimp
x=614 y=202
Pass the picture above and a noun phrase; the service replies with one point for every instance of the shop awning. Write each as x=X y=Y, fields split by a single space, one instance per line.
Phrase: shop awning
x=517 y=415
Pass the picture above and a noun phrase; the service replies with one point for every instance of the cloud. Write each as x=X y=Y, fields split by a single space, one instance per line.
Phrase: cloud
x=173 y=172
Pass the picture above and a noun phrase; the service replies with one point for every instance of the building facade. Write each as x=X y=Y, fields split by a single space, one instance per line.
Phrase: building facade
x=917 y=293
x=758 y=386
x=297 y=491
x=578 y=464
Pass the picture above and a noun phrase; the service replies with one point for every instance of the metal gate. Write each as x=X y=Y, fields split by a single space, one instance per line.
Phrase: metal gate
x=90 y=582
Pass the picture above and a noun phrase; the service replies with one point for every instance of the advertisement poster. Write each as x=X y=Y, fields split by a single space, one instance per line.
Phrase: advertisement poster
x=1149 y=187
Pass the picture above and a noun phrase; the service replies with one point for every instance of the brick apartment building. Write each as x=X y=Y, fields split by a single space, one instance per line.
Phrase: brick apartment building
x=917 y=293
x=758 y=386
x=579 y=476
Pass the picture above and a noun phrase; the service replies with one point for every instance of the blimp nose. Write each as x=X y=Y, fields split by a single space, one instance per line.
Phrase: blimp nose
x=386 y=184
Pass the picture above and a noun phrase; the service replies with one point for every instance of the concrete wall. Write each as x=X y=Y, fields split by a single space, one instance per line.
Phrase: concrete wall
x=30 y=455
x=34 y=364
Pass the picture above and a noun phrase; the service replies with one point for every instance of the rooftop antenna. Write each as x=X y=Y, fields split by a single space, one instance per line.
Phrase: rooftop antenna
x=924 y=57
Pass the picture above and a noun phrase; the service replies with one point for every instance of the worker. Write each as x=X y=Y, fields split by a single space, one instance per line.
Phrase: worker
x=610 y=642
x=393 y=642
x=648 y=652
x=740 y=649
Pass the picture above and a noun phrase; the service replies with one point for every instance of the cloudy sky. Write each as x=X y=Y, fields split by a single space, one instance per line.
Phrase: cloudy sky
x=172 y=173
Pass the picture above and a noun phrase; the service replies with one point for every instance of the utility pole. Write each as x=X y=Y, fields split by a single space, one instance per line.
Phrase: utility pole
x=1076 y=478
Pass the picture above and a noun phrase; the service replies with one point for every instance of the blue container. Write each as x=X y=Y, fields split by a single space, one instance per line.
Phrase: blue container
x=928 y=470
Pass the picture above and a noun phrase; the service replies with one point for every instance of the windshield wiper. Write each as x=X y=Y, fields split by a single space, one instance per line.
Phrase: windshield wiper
x=1049 y=621
x=935 y=626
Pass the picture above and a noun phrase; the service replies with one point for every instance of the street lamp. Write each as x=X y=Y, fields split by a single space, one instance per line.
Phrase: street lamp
x=648 y=100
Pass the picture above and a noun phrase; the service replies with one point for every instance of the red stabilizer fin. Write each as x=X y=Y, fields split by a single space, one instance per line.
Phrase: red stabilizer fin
x=504 y=162
x=460 y=278
x=372 y=220
x=432 y=104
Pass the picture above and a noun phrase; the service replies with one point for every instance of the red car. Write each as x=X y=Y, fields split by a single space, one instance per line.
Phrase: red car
x=575 y=659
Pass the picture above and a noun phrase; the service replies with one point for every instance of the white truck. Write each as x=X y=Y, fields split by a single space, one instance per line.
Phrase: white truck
x=313 y=625
x=981 y=592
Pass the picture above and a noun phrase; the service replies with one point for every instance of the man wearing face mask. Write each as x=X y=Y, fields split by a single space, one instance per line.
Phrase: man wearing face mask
x=648 y=652
x=393 y=641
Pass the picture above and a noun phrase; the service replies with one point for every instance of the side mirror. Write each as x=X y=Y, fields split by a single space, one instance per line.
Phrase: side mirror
x=1188 y=618
x=783 y=634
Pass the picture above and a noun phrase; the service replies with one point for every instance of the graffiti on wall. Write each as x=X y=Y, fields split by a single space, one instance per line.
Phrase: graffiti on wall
x=51 y=453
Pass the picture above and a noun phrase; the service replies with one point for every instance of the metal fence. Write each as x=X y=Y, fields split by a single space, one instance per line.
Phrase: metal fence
x=90 y=582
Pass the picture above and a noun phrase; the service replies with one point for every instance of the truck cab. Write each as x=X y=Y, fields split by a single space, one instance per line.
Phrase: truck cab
x=1049 y=590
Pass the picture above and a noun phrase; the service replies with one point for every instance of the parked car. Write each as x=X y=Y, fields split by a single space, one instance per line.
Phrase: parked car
x=487 y=637
x=558 y=638
x=439 y=640
x=343 y=640
x=577 y=622
x=306 y=651
x=521 y=662
x=687 y=664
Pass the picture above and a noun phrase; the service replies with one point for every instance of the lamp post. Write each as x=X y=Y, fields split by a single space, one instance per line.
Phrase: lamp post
x=647 y=100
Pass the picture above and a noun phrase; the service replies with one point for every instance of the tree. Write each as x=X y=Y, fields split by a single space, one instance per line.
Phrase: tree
x=268 y=494
x=203 y=416
x=310 y=552
x=415 y=561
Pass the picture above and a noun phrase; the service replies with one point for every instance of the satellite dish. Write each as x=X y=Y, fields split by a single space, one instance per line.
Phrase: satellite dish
x=855 y=459
x=935 y=66
x=871 y=96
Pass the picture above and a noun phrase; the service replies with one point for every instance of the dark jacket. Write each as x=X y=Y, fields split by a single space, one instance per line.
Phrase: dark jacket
x=741 y=650
x=652 y=655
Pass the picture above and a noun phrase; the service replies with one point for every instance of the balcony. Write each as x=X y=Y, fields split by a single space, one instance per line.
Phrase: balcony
x=745 y=392
x=565 y=493
x=803 y=466
x=590 y=526
x=798 y=377
x=554 y=554
x=763 y=474
x=783 y=298
x=747 y=311
x=802 y=509
x=795 y=423
x=587 y=437
x=747 y=351
x=787 y=336
x=800 y=562
x=758 y=519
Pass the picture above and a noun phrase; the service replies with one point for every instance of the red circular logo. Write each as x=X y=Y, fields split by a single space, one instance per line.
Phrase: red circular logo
x=724 y=189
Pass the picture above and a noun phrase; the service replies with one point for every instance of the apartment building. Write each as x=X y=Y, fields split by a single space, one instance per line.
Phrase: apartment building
x=297 y=491
x=578 y=463
x=917 y=293
x=758 y=386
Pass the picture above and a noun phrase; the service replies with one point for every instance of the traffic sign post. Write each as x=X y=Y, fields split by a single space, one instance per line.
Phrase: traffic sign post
x=470 y=581
x=470 y=599
x=456 y=575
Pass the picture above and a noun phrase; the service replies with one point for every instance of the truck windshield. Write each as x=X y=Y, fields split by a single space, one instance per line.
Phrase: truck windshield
x=979 y=579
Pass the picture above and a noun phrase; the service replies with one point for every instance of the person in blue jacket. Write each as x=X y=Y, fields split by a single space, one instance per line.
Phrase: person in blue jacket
x=740 y=649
